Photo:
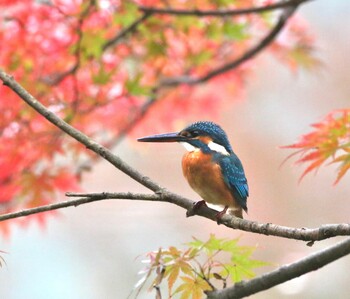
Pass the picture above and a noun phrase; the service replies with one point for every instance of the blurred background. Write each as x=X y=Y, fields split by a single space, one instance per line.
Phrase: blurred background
x=91 y=251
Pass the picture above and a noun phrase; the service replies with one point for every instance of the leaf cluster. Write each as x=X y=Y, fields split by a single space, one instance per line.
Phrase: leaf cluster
x=330 y=140
x=201 y=267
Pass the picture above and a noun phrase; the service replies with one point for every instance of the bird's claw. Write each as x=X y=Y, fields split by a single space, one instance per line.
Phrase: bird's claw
x=197 y=205
x=219 y=215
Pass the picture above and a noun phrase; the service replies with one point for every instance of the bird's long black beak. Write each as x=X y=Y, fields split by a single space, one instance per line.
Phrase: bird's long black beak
x=167 y=137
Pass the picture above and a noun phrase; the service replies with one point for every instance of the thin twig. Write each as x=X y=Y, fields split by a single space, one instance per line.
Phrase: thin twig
x=77 y=53
x=77 y=202
x=124 y=32
x=220 y=12
x=58 y=78
x=285 y=273
x=171 y=82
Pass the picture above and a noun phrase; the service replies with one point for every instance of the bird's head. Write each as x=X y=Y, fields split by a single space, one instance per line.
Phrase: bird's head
x=202 y=135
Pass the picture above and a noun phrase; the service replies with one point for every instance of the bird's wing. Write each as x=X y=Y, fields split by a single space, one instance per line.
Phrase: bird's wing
x=234 y=177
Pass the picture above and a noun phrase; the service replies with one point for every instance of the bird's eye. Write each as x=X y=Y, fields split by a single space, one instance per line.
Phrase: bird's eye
x=189 y=134
x=194 y=134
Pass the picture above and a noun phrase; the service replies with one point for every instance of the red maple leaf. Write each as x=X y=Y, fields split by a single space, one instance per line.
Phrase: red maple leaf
x=330 y=140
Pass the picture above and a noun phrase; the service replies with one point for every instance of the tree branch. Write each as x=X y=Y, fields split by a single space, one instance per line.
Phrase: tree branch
x=124 y=32
x=305 y=234
x=222 y=12
x=285 y=273
x=171 y=82
x=77 y=202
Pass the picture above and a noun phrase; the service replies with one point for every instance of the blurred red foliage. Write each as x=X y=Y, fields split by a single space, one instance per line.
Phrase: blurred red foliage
x=67 y=55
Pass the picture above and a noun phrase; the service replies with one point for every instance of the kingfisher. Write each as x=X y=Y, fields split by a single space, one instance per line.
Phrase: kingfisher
x=210 y=166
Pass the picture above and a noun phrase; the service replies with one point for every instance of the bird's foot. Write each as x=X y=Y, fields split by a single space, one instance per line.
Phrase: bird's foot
x=197 y=205
x=219 y=215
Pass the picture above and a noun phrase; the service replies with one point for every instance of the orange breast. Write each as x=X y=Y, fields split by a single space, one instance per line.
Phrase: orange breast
x=206 y=179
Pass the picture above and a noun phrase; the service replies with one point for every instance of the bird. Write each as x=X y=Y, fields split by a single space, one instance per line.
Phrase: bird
x=211 y=167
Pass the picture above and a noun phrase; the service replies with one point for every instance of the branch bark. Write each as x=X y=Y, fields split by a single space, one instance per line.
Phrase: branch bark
x=75 y=203
x=285 y=273
x=310 y=235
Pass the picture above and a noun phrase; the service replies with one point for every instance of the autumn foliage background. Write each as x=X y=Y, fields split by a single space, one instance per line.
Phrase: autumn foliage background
x=266 y=103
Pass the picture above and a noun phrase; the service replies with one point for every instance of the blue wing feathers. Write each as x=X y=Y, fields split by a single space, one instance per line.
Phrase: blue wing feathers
x=234 y=177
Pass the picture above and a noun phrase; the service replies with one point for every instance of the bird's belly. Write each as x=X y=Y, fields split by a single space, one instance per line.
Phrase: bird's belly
x=205 y=177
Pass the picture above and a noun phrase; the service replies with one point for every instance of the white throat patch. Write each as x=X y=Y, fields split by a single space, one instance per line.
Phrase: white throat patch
x=189 y=147
x=218 y=148
x=212 y=145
